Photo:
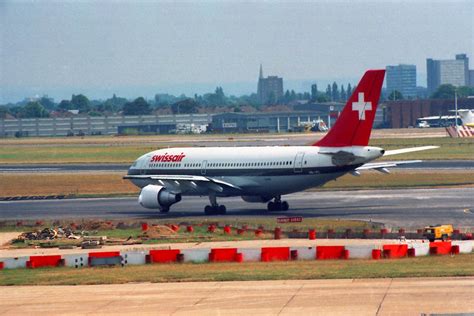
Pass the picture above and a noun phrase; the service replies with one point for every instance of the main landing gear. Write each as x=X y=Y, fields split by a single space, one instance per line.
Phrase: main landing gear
x=214 y=208
x=278 y=205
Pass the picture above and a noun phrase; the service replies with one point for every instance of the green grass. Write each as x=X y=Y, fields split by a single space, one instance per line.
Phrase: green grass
x=44 y=152
x=433 y=266
x=450 y=148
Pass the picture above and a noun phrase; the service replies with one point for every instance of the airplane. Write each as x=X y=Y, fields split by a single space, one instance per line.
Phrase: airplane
x=265 y=173
x=467 y=117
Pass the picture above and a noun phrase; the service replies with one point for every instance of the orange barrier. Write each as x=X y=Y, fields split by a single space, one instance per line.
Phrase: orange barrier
x=223 y=255
x=330 y=252
x=395 y=251
x=44 y=261
x=440 y=248
x=163 y=256
x=227 y=229
x=275 y=254
x=144 y=227
x=189 y=229
x=376 y=254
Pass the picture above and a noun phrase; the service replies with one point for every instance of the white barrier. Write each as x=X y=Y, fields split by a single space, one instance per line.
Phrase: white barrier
x=420 y=249
x=76 y=260
x=360 y=252
x=133 y=257
x=250 y=254
x=465 y=246
x=304 y=253
x=14 y=263
x=195 y=255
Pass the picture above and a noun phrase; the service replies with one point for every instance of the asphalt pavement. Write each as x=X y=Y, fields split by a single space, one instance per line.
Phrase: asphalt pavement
x=408 y=208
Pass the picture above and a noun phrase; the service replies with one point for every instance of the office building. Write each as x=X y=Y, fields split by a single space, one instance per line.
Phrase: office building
x=269 y=89
x=453 y=71
x=401 y=78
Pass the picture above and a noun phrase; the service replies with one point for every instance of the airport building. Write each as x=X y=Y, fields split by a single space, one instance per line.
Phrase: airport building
x=453 y=71
x=402 y=78
x=269 y=89
x=404 y=113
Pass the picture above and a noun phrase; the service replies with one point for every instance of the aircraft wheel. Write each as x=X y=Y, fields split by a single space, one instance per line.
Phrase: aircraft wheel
x=208 y=210
x=271 y=206
x=285 y=206
x=164 y=210
x=222 y=209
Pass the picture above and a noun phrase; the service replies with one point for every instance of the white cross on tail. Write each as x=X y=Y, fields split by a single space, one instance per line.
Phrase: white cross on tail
x=361 y=106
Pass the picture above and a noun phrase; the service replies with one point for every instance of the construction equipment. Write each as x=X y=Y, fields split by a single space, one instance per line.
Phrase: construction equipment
x=440 y=232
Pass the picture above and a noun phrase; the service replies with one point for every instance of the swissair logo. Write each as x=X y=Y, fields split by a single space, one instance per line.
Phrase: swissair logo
x=361 y=106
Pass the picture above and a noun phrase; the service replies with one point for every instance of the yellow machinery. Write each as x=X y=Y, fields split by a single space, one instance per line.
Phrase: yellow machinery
x=442 y=232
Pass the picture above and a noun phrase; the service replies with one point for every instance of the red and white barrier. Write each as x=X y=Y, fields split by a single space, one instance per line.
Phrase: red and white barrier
x=265 y=254
x=462 y=131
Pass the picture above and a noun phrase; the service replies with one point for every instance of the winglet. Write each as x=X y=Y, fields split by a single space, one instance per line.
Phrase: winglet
x=354 y=125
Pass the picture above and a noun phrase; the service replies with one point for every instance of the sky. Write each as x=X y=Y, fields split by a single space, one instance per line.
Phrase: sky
x=139 y=48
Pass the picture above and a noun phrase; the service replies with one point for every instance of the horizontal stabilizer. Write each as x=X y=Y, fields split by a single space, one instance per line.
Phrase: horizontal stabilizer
x=408 y=150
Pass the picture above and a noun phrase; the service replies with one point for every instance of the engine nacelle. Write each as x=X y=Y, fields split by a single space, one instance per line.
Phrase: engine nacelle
x=255 y=198
x=156 y=196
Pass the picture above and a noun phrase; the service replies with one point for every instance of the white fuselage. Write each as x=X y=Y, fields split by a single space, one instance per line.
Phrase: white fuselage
x=257 y=171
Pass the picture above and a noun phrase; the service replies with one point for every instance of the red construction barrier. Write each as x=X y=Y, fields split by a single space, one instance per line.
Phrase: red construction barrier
x=239 y=257
x=44 y=261
x=174 y=228
x=411 y=252
x=329 y=252
x=346 y=254
x=312 y=234
x=294 y=254
x=211 y=228
x=395 y=251
x=189 y=229
x=227 y=229
x=258 y=232
x=144 y=227
x=455 y=250
x=376 y=254
x=104 y=254
x=277 y=232
x=163 y=256
x=440 y=248
x=275 y=254
x=1 y=265
x=222 y=255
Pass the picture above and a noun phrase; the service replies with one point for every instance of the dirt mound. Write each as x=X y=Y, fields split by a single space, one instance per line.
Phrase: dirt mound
x=157 y=231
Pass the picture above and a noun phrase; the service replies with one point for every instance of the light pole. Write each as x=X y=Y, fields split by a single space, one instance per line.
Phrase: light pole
x=456 y=111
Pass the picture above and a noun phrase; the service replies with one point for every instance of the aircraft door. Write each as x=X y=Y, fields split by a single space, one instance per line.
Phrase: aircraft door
x=298 y=164
x=203 y=167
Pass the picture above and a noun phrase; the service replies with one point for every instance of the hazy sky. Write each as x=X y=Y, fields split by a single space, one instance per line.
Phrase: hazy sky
x=65 y=47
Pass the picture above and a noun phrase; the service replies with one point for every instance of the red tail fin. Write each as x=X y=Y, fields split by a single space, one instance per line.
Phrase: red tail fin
x=354 y=125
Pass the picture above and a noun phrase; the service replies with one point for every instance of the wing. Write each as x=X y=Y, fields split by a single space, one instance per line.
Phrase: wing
x=185 y=183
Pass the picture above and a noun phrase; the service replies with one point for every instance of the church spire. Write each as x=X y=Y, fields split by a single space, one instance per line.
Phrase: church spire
x=261 y=72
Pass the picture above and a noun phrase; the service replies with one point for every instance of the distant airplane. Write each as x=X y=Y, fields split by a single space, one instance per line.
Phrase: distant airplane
x=467 y=117
x=264 y=174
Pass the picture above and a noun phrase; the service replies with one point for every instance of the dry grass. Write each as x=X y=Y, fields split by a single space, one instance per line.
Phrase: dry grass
x=59 y=183
x=113 y=184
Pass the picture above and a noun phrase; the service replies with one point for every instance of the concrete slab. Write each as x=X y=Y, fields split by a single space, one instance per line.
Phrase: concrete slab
x=411 y=296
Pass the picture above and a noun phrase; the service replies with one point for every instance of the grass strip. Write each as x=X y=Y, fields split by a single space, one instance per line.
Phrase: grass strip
x=433 y=266
x=126 y=150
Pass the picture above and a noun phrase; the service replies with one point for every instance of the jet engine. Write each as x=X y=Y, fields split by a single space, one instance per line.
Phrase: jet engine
x=156 y=196
x=255 y=198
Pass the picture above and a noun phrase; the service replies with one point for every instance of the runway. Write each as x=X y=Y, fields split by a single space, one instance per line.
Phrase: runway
x=62 y=168
x=408 y=208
